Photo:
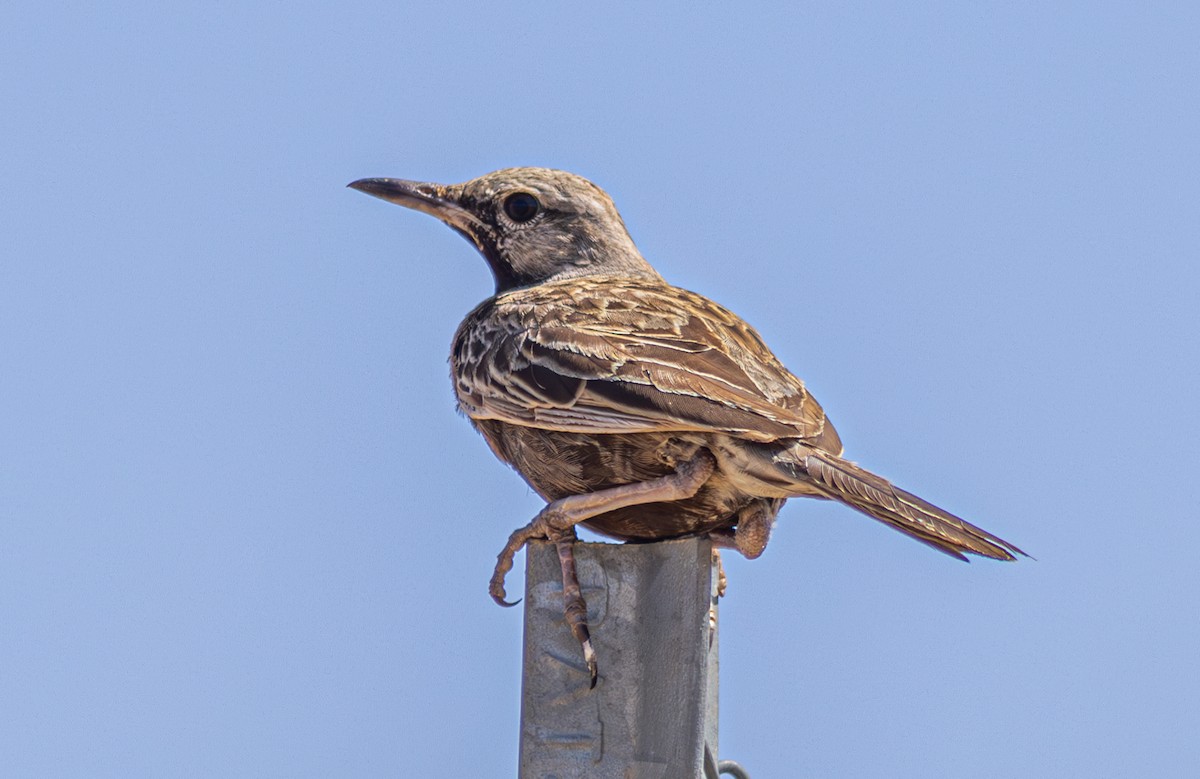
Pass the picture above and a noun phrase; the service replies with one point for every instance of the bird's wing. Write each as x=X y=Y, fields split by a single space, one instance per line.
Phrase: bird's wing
x=621 y=356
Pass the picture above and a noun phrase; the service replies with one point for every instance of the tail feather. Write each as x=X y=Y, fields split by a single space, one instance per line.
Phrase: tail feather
x=876 y=497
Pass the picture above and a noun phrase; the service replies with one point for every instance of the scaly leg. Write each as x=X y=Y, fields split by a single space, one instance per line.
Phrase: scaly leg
x=557 y=523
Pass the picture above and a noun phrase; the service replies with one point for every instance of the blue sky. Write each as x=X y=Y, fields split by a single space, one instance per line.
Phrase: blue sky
x=243 y=532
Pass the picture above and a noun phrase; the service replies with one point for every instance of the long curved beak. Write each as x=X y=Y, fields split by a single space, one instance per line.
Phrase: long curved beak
x=432 y=199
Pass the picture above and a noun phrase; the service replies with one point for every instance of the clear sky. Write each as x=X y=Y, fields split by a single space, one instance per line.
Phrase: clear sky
x=243 y=532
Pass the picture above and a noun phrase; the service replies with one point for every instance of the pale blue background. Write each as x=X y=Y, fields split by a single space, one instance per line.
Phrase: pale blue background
x=243 y=532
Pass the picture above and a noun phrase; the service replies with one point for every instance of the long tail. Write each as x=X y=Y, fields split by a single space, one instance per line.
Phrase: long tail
x=876 y=497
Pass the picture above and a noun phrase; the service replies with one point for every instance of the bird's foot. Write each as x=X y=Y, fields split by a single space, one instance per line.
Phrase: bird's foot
x=550 y=524
x=556 y=523
x=504 y=563
x=722 y=582
x=753 y=531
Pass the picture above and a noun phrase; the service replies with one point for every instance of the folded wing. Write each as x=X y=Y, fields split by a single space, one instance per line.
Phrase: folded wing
x=620 y=356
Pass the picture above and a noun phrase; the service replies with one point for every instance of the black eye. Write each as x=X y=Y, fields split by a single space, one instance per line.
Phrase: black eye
x=521 y=206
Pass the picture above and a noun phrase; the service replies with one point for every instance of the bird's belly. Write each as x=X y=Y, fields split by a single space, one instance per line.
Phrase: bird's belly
x=560 y=464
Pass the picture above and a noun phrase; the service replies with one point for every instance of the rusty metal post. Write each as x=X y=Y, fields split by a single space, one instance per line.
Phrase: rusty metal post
x=653 y=617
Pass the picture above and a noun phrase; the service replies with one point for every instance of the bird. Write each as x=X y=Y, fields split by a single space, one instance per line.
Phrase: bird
x=638 y=409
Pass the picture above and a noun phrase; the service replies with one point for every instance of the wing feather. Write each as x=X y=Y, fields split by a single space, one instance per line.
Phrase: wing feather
x=609 y=355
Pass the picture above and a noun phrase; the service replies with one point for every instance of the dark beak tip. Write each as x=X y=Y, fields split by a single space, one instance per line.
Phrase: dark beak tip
x=400 y=191
x=391 y=190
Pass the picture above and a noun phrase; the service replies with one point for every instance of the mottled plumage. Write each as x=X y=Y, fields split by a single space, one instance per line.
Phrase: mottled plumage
x=639 y=409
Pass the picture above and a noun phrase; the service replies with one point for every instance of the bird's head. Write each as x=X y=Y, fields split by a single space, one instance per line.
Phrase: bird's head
x=531 y=224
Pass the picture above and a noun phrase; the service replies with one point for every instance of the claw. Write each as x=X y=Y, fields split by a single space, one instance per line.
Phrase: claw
x=496 y=587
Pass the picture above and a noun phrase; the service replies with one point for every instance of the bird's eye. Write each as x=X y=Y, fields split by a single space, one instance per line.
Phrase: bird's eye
x=521 y=206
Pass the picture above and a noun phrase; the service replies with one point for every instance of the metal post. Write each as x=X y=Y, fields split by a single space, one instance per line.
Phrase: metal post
x=653 y=617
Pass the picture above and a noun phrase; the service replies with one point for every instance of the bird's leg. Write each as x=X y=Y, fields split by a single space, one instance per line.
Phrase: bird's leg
x=562 y=515
x=574 y=606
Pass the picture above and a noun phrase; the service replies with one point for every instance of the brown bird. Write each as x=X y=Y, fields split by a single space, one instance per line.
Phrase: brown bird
x=636 y=408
